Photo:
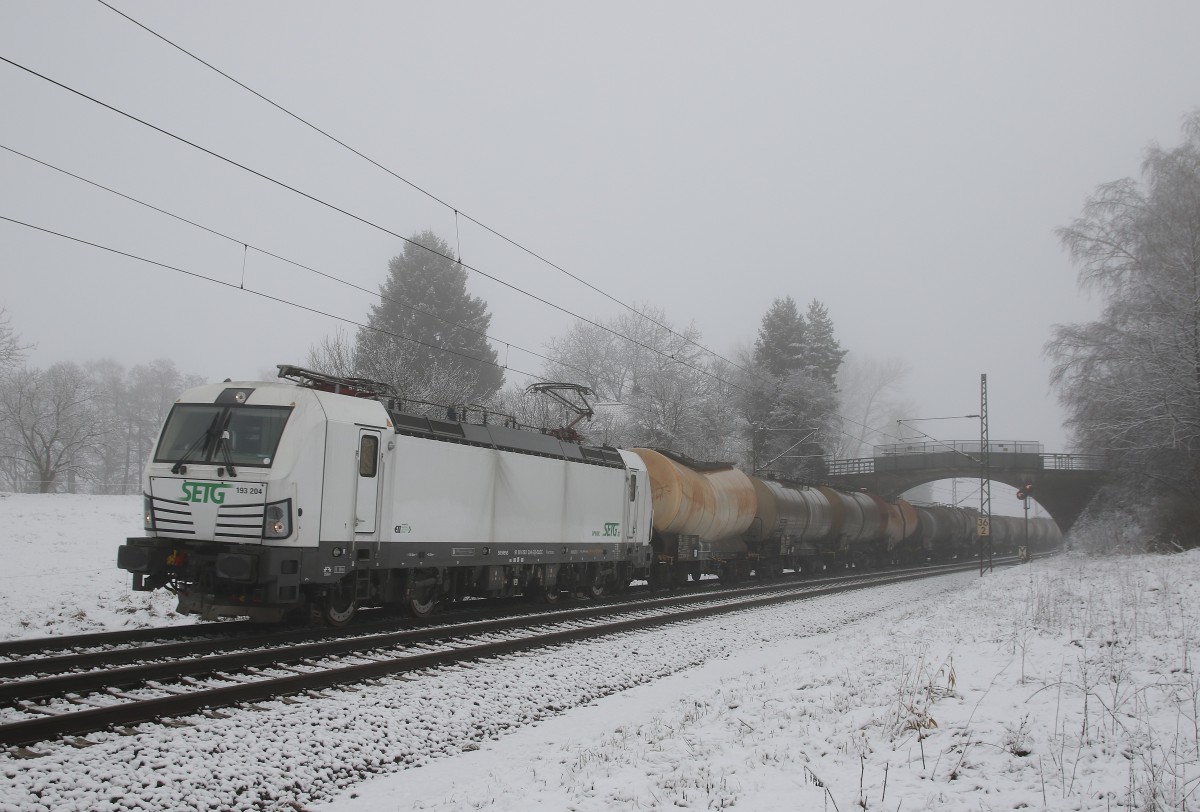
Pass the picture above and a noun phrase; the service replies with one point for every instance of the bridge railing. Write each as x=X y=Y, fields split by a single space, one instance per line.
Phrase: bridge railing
x=864 y=465
x=1047 y=462
x=972 y=448
x=1073 y=462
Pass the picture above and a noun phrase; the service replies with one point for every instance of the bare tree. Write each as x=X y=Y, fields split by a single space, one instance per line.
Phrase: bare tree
x=654 y=385
x=111 y=459
x=870 y=402
x=1131 y=379
x=51 y=421
x=333 y=355
x=420 y=377
x=12 y=351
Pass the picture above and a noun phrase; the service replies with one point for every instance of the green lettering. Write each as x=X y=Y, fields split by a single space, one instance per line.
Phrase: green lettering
x=200 y=492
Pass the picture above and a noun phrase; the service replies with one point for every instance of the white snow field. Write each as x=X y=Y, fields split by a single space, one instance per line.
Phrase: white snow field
x=1065 y=684
x=58 y=566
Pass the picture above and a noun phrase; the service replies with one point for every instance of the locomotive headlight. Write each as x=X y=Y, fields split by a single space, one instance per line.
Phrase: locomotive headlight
x=147 y=513
x=277 y=520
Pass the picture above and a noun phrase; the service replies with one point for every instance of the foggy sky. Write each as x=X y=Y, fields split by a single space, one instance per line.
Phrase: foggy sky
x=904 y=163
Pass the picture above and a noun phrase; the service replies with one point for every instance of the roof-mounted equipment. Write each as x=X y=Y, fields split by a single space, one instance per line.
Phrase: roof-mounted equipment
x=338 y=384
x=574 y=397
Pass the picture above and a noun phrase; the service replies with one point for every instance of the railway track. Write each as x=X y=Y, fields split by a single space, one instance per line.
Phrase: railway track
x=110 y=688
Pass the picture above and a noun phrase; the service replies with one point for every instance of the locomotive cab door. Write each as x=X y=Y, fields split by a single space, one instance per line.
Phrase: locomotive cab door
x=366 y=496
x=637 y=502
x=631 y=508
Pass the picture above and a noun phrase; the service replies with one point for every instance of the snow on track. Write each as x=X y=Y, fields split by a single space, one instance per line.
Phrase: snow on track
x=300 y=752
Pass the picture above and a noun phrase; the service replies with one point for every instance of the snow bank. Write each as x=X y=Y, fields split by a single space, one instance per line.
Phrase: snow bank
x=1069 y=684
x=58 y=566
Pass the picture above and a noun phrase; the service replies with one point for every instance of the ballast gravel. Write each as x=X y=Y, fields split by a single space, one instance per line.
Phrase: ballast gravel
x=286 y=753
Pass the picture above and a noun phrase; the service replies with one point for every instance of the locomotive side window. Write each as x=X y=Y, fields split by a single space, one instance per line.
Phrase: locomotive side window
x=368 y=455
x=633 y=488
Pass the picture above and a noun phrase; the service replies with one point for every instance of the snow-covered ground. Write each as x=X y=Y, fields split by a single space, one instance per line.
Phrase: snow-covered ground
x=1066 y=684
x=58 y=566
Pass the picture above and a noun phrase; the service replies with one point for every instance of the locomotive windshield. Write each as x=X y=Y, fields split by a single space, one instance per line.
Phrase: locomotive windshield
x=222 y=434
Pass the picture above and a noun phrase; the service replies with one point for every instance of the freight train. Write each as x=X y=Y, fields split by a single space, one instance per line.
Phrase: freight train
x=313 y=496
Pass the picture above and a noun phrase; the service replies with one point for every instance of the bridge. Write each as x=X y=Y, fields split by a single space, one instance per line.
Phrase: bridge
x=1063 y=484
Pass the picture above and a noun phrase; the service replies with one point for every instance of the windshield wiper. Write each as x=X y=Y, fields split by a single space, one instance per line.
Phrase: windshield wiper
x=207 y=437
x=196 y=445
x=223 y=444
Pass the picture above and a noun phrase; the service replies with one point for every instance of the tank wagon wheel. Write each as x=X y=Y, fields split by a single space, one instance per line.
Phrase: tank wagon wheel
x=729 y=573
x=677 y=579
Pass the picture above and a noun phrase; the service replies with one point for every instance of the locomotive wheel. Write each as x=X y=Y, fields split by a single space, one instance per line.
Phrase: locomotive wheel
x=422 y=606
x=337 y=608
x=543 y=595
x=596 y=585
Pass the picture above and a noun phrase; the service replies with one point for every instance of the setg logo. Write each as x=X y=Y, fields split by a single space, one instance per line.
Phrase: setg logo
x=612 y=529
x=201 y=492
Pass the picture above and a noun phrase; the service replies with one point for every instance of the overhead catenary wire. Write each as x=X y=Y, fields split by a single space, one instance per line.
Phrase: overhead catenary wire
x=418 y=188
x=635 y=342
x=268 y=296
x=247 y=246
x=367 y=222
x=281 y=300
x=316 y=311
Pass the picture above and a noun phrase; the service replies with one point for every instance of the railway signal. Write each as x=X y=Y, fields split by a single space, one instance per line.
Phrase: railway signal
x=1023 y=494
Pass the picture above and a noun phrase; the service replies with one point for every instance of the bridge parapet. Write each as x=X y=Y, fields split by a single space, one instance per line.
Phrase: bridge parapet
x=1064 y=483
x=967 y=447
x=966 y=465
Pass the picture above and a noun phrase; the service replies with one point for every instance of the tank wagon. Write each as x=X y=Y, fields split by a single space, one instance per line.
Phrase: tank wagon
x=710 y=518
x=313 y=496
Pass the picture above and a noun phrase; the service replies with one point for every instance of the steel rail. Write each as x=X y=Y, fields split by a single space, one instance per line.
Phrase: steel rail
x=207 y=639
x=243 y=639
x=30 y=645
x=184 y=663
x=51 y=725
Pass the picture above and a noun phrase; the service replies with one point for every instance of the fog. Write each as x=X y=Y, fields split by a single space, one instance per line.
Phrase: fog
x=905 y=164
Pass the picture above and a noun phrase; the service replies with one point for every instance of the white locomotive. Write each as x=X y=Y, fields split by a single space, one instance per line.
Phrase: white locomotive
x=270 y=499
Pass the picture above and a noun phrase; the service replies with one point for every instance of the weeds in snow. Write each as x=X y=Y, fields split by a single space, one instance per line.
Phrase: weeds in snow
x=919 y=688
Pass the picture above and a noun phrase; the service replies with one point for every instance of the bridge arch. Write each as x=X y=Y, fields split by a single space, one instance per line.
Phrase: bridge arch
x=1063 y=484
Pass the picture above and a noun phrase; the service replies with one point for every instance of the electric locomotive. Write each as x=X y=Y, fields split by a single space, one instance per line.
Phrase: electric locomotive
x=311 y=497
